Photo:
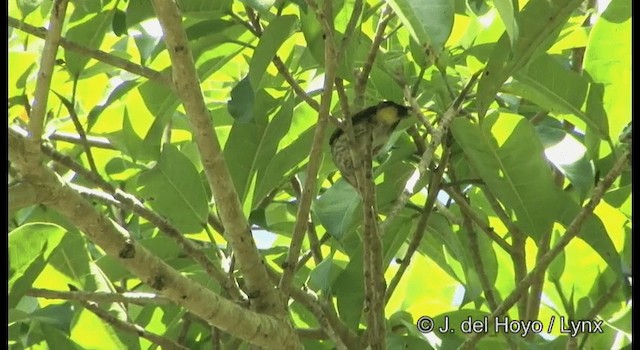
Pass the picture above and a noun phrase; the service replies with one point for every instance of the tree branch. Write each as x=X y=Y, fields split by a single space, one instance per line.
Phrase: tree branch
x=315 y=156
x=260 y=329
x=101 y=297
x=363 y=76
x=47 y=62
x=237 y=230
x=92 y=141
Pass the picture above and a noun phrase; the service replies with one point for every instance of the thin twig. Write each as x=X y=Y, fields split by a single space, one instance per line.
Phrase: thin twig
x=79 y=129
x=315 y=156
x=363 y=76
x=306 y=256
x=101 y=297
x=597 y=307
x=312 y=235
x=324 y=313
x=432 y=197
x=255 y=28
x=342 y=97
x=489 y=291
x=98 y=55
x=537 y=285
x=467 y=210
x=92 y=141
x=518 y=252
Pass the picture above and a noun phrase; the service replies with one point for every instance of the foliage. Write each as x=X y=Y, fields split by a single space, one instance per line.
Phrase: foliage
x=517 y=168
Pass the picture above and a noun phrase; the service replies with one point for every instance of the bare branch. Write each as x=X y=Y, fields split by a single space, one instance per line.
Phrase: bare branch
x=363 y=76
x=315 y=157
x=101 y=297
x=237 y=230
x=92 y=141
x=373 y=270
x=47 y=62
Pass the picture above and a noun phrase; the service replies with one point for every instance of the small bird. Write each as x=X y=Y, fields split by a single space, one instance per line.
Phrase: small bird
x=377 y=122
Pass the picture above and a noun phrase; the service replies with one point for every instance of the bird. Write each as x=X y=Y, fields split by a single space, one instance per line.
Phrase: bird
x=378 y=122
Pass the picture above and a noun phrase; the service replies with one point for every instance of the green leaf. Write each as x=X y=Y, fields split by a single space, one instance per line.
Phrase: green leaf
x=593 y=232
x=173 y=188
x=540 y=22
x=116 y=94
x=428 y=21
x=119 y=23
x=30 y=247
x=558 y=265
x=59 y=316
x=28 y=6
x=338 y=208
x=607 y=60
x=322 y=277
x=56 y=339
x=272 y=38
x=286 y=162
x=88 y=34
x=508 y=156
x=569 y=156
x=438 y=238
x=71 y=260
x=241 y=104
x=260 y=5
x=130 y=143
x=508 y=15
x=161 y=101
x=251 y=146
x=558 y=90
x=407 y=342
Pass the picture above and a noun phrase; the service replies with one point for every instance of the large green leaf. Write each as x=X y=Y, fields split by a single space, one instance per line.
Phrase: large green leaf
x=558 y=90
x=251 y=145
x=285 y=163
x=89 y=34
x=428 y=21
x=569 y=156
x=539 y=22
x=338 y=209
x=173 y=188
x=607 y=60
x=508 y=13
x=593 y=232
x=30 y=247
x=274 y=35
x=506 y=152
